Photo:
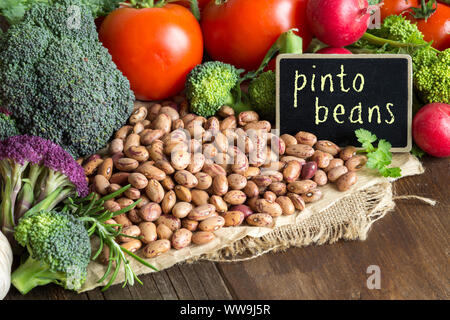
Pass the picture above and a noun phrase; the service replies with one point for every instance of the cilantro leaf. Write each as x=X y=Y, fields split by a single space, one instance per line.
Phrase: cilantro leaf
x=377 y=158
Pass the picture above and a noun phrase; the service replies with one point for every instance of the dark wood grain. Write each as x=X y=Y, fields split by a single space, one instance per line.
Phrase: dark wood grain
x=410 y=245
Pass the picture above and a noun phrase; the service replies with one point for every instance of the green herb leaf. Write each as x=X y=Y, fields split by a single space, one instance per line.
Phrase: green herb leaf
x=377 y=158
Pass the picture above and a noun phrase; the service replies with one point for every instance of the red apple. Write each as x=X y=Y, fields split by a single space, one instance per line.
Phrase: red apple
x=431 y=129
x=331 y=50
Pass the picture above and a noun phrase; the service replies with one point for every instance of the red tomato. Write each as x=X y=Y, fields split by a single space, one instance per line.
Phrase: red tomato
x=240 y=32
x=155 y=48
x=391 y=7
x=437 y=27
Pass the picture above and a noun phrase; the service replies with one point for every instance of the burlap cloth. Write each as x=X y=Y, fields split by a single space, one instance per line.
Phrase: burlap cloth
x=339 y=215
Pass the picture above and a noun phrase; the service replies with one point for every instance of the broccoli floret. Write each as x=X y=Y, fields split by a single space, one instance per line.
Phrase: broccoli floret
x=431 y=66
x=262 y=93
x=59 y=249
x=59 y=82
x=8 y=127
x=432 y=75
x=14 y=10
x=35 y=174
x=209 y=85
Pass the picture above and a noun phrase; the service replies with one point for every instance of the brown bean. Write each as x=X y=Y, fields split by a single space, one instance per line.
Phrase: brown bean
x=126 y=164
x=91 y=166
x=150 y=171
x=150 y=212
x=278 y=188
x=138 y=115
x=180 y=159
x=288 y=139
x=191 y=225
x=300 y=151
x=199 y=197
x=202 y=237
x=148 y=136
x=236 y=181
x=235 y=197
x=204 y=180
x=138 y=153
x=116 y=146
x=327 y=146
x=262 y=125
x=112 y=206
x=153 y=111
x=138 y=180
x=297 y=200
x=273 y=209
x=197 y=163
x=113 y=187
x=132 y=193
x=168 y=202
x=225 y=111
x=134 y=216
x=251 y=189
x=162 y=122
x=347 y=153
x=133 y=140
x=172 y=222
x=183 y=193
x=106 y=168
x=346 y=181
x=321 y=158
x=101 y=184
x=156 y=248
x=148 y=232
x=168 y=183
x=132 y=231
x=171 y=112
x=270 y=196
x=320 y=178
x=228 y=123
x=181 y=209
x=133 y=245
x=260 y=220
x=262 y=181
x=356 y=163
x=220 y=185
x=164 y=232
x=219 y=203
x=307 y=138
x=181 y=238
x=287 y=207
x=123 y=132
x=292 y=171
x=154 y=191
x=312 y=196
x=233 y=218
x=138 y=127
x=333 y=164
x=165 y=166
x=213 y=169
x=336 y=173
x=211 y=224
x=202 y=212
x=186 y=179
x=302 y=186
x=123 y=220
x=124 y=202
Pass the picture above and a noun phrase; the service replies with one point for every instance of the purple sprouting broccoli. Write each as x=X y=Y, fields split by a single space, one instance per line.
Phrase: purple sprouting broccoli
x=35 y=174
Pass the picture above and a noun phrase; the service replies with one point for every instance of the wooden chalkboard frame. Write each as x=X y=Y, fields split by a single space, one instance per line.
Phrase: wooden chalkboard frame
x=352 y=56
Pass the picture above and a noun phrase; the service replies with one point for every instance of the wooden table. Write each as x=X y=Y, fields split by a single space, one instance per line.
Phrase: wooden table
x=410 y=245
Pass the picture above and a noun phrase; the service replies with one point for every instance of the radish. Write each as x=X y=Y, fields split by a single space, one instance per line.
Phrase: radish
x=431 y=129
x=338 y=23
x=330 y=50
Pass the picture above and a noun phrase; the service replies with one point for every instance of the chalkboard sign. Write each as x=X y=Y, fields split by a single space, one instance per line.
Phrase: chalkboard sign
x=333 y=95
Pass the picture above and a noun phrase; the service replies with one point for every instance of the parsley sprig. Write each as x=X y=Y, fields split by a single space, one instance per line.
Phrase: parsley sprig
x=379 y=158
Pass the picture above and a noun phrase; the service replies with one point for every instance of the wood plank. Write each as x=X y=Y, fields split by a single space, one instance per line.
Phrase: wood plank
x=409 y=245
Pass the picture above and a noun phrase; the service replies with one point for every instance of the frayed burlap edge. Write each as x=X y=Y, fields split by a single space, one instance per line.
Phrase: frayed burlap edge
x=373 y=204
